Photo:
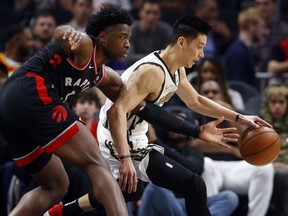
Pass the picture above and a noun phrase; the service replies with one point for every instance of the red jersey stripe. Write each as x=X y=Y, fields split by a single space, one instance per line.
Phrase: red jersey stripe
x=61 y=139
x=41 y=88
x=23 y=161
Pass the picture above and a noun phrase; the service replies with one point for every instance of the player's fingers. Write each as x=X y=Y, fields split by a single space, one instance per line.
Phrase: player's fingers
x=135 y=184
x=228 y=130
x=262 y=122
x=231 y=135
x=230 y=139
x=124 y=183
x=219 y=120
x=66 y=34
x=72 y=35
x=131 y=184
x=223 y=145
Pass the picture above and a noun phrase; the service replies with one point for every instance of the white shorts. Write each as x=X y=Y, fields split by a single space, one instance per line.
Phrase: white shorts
x=139 y=153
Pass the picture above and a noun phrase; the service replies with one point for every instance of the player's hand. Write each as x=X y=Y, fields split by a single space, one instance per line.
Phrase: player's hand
x=210 y=133
x=74 y=37
x=251 y=120
x=128 y=175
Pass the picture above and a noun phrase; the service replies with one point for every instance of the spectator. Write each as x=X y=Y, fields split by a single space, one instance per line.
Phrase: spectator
x=43 y=26
x=148 y=33
x=98 y=4
x=221 y=36
x=274 y=110
x=81 y=10
x=238 y=59
x=242 y=178
x=86 y=105
x=213 y=69
x=276 y=30
x=278 y=62
x=18 y=48
x=173 y=9
x=157 y=201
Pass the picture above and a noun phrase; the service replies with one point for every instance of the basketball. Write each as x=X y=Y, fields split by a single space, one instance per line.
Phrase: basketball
x=259 y=146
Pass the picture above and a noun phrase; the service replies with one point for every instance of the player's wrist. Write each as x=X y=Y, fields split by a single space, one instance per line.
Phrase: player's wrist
x=124 y=156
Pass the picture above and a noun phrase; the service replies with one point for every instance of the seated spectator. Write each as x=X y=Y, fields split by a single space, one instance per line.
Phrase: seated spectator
x=238 y=58
x=81 y=10
x=148 y=33
x=86 y=105
x=43 y=26
x=157 y=201
x=213 y=69
x=274 y=110
x=278 y=62
x=19 y=47
x=220 y=37
x=242 y=178
x=276 y=29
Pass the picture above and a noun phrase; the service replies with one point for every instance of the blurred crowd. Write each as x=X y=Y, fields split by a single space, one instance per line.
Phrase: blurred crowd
x=245 y=68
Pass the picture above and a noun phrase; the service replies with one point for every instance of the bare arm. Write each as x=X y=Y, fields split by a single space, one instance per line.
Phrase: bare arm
x=276 y=67
x=111 y=84
x=139 y=86
x=142 y=84
x=208 y=107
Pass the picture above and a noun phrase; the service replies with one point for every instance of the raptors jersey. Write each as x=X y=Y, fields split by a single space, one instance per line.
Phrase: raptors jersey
x=137 y=127
x=54 y=64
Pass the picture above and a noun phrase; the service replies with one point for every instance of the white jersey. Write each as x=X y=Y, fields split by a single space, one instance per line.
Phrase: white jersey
x=136 y=127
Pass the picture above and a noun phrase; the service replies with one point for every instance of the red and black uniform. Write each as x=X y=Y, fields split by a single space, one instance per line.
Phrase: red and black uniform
x=34 y=118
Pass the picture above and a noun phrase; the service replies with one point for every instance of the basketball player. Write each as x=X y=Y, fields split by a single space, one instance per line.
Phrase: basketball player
x=39 y=126
x=122 y=135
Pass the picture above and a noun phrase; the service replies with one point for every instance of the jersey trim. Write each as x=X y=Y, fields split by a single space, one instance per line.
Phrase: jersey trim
x=49 y=148
x=158 y=56
x=78 y=67
x=103 y=75
x=27 y=159
x=62 y=138
x=162 y=86
x=41 y=88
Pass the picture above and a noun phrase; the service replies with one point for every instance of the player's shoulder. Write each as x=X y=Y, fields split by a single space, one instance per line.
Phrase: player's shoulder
x=150 y=68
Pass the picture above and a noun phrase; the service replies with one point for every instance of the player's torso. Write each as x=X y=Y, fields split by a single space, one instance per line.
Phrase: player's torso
x=53 y=64
x=137 y=127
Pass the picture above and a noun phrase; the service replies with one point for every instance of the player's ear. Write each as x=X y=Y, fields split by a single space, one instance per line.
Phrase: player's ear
x=101 y=37
x=181 y=41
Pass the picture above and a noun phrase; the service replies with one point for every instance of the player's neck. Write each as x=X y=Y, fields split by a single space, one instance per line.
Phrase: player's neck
x=170 y=57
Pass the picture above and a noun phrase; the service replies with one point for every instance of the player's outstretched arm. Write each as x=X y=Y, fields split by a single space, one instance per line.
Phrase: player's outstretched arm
x=208 y=132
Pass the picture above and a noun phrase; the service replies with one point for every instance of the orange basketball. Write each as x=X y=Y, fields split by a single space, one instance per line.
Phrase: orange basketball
x=259 y=146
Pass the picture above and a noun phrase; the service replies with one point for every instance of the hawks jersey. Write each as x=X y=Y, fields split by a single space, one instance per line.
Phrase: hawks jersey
x=54 y=64
x=137 y=127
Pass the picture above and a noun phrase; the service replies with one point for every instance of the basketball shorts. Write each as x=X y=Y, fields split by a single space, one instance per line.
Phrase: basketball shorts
x=34 y=120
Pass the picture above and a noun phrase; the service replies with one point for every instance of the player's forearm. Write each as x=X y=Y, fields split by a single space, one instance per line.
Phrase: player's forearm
x=161 y=117
x=118 y=129
x=212 y=109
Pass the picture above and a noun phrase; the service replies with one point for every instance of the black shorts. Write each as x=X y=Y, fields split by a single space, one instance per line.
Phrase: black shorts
x=34 y=120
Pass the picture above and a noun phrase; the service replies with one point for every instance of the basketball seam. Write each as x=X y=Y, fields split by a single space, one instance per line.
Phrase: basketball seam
x=254 y=137
x=247 y=155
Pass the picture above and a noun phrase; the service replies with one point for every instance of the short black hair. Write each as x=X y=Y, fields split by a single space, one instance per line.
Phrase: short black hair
x=87 y=95
x=108 y=16
x=189 y=26
x=143 y=2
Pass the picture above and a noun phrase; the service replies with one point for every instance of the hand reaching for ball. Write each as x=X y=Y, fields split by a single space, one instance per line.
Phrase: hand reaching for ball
x=252 y=120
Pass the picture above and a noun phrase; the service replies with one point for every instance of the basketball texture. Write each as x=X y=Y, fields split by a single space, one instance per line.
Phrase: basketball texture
x=259 y=146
